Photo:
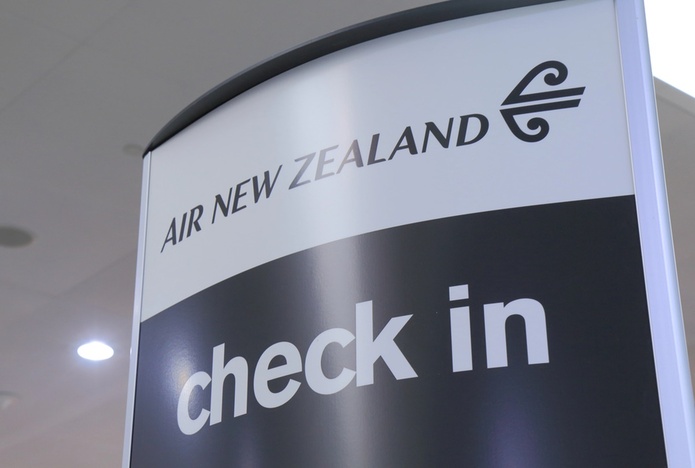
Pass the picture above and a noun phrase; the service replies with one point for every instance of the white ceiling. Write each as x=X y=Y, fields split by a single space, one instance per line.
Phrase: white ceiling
x=79 y=80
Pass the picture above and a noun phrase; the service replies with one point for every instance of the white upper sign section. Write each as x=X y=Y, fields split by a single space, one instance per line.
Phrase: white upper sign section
x=312 y=132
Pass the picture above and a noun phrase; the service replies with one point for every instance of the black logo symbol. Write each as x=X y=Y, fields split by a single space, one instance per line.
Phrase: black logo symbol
x=538 y=126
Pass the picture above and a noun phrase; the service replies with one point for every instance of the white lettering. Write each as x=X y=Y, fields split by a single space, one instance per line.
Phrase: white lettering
x=237 y=367
x=189 y=425
x=496 y=316
x=315 y=377
x=264 y=374
x=369 y=349
x=283 y=359
x=460 y=319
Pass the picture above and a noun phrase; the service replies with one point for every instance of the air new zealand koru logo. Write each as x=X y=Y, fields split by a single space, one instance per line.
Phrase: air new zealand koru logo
x=539 y=102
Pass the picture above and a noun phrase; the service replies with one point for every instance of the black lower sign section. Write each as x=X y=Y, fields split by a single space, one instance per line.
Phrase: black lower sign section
x=514 y=338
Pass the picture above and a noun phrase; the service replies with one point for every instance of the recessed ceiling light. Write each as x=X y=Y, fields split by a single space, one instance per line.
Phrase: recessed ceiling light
x=95 y=351
x=11 y=236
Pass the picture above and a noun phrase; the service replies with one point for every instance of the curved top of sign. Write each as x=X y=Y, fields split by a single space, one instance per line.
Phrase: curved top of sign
x=341 y=39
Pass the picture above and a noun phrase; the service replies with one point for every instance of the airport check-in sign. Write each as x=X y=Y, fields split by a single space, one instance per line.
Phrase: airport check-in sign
x=420 y=250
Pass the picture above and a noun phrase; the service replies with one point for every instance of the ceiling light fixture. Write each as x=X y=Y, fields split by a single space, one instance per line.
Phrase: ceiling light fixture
x=11 y=236
x=95 y=351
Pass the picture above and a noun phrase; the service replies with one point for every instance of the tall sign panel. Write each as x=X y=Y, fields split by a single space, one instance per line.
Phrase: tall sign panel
x=443 y=246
